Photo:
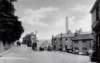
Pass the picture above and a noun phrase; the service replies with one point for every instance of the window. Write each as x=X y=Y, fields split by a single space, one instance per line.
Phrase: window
x=84 y=48
x=60 y=38
x=97 y=12
x=75 y=41
x=66 y=39
x=76 y=48
x=84 y=41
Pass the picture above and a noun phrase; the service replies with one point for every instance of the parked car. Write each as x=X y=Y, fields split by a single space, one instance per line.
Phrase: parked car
x=93 y=57
x=41 y=49
x=49 y=48
x=76 y=51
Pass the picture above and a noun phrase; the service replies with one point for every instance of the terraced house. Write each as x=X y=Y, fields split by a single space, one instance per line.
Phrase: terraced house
x=82 y=43
x=63 y=42
x=79 y=42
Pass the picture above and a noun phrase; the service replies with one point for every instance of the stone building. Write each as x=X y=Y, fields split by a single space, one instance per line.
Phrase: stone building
x=33 y=37
x=78 y=42
x=63 y=42
x=26 y=40
x=29 y=39
x=95 y=12
x=68 y=41
x=82 y=43
x=57 y=42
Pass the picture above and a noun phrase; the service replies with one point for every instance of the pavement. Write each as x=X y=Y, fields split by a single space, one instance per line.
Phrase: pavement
x=24 y=54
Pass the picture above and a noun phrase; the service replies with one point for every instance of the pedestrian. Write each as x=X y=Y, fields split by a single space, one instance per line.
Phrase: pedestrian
x=18 y=43
x=90 y=51
x=34 y=46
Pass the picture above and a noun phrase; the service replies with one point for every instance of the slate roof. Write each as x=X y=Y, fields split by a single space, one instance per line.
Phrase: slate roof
x=58 y=36
x=64 y=35
x=68 y=35
x=83 y=37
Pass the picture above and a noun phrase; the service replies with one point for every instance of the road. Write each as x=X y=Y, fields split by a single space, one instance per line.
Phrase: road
x=25 y=54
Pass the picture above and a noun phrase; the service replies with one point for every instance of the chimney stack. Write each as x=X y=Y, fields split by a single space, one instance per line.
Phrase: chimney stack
x=67 y=25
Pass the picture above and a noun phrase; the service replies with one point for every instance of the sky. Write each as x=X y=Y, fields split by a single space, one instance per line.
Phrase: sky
x=48 y=17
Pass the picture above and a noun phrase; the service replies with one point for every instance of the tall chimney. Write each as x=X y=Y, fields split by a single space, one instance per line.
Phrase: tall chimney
x=67 y=25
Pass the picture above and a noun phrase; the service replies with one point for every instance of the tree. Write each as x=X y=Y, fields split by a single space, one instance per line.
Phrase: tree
x=10 y=28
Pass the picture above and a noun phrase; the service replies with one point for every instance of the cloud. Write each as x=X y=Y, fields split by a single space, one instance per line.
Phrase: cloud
x=48 y=18
x=36 y=15
x=81 y=8
x=33 y=19
x=83 y=23
x=80 y=17
x=59 y=25
x=42 y=12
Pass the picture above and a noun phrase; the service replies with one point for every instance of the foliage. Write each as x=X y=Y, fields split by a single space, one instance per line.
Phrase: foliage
x=10 y=27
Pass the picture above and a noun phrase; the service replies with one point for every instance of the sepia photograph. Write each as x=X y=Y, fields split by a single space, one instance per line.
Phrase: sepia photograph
x=49 y=31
